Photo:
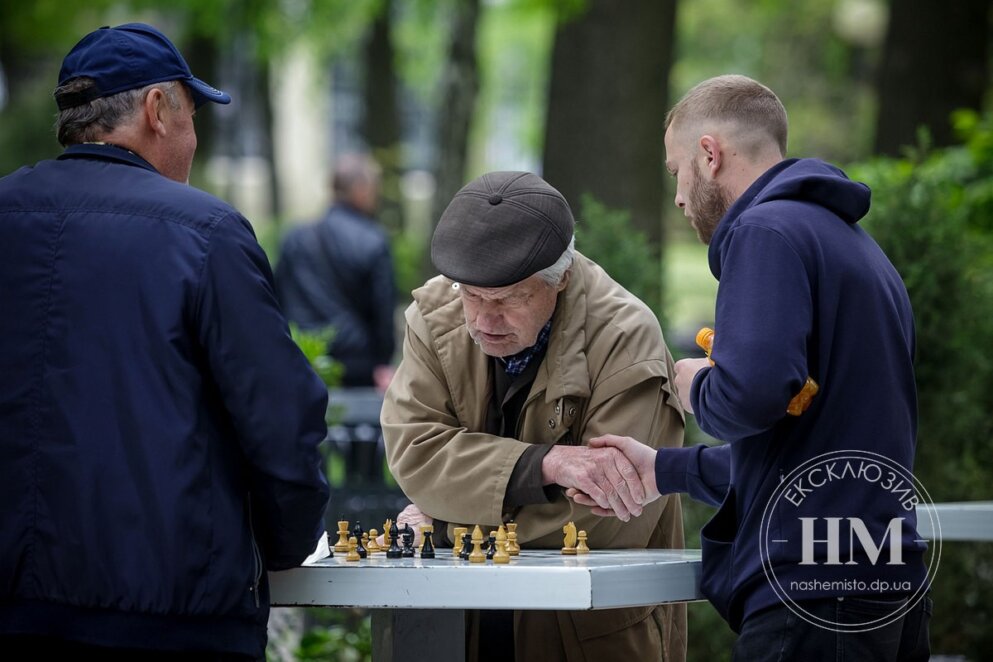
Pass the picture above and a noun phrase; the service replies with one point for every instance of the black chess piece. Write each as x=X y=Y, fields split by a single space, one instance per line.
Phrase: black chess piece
x=330 y=544
x=466 y=546
x=408 y=541
x=394 y=552
x=427 y=550
x=357 y=531
x=490 y=548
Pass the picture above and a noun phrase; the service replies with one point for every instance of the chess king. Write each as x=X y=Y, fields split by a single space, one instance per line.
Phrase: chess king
x=514 y=357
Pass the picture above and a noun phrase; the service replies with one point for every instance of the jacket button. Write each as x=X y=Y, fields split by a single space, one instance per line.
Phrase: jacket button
x=551 y=423
x=557 y=409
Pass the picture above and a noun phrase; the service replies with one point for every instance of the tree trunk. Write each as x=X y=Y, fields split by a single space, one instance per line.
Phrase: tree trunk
x=460 y=85
x=381 y=120
x=607 y=101
x=934 y=61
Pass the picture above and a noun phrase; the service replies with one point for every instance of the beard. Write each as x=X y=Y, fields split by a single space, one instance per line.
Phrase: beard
x=709 y=202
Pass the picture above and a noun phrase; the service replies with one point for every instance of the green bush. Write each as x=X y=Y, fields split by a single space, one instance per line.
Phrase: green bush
x=607 y=237
x=932 y=212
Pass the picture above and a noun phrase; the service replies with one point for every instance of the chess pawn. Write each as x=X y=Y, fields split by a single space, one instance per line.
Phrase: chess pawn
x=501 y=556
x=457 y=546
x=512 y=547
x=330 y=546
x=466 y=546
x=477 y=556
x=582 y=547
x=342 y=544
x=491 y=546
x=427 y=547
x=353 y=552
x=394 y=552
x=360 y=545
x=569 y=544
x=373 y=546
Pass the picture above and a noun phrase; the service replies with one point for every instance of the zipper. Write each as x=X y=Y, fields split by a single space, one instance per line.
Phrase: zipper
x=256 y=555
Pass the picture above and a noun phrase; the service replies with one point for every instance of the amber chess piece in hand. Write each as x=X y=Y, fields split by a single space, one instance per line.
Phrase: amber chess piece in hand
x=800 y=402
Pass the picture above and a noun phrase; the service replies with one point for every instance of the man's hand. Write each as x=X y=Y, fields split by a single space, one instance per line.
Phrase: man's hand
x=604 y=473
x=641 y=457
x=410 y=515
x=686 y=370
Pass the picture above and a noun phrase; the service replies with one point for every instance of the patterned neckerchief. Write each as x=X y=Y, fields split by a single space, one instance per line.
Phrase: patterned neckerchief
x=515 y=365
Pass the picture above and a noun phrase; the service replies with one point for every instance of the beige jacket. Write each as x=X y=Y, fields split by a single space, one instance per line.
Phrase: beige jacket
x=606 y=370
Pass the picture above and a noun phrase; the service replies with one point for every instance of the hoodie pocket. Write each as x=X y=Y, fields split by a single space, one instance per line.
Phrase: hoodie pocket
x=717 y=539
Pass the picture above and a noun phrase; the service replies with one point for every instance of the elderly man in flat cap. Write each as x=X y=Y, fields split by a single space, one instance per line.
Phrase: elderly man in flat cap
x=518 y=354
x=158 y=426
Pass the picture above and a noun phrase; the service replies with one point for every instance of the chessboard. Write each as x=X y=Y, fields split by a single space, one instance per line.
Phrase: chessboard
x=534 y=579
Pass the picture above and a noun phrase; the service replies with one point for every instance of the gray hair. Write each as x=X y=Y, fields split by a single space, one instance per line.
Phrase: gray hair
x=553 y=275
x=352 y=170
x=89 y=122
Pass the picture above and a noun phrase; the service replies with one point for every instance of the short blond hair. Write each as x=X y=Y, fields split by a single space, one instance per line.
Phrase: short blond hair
x=736 y=100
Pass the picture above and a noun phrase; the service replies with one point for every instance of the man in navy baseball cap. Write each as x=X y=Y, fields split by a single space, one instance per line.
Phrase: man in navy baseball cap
x=159 y=428
x=124 y=58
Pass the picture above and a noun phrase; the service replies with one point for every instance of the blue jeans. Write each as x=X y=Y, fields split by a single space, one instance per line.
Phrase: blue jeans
x=778 y=634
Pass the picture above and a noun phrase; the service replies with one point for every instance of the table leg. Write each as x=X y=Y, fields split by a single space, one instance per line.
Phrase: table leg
x=418 y=634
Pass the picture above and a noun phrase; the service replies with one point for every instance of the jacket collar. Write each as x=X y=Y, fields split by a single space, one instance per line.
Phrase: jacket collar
x=106 y=152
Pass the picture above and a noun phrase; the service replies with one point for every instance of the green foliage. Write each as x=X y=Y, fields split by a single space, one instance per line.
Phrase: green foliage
x=342 y=639
x=931 y=214
x=314 y=345
x=607 y=237
x=408 y=256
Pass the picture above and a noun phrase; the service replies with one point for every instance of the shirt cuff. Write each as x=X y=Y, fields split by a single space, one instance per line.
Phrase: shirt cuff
x=525 y=486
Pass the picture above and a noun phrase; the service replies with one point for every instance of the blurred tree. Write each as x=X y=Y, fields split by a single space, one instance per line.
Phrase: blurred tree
x=381 y=119
x=460 y=85
x=607 y=98
x=936 y=60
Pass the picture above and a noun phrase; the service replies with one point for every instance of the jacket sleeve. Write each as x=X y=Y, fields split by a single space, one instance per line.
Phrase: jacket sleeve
x=275 y=401
x=763 y=320
x=702 y=471
x=451 y=473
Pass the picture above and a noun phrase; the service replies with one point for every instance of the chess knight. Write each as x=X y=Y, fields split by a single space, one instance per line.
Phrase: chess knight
x=518 y=354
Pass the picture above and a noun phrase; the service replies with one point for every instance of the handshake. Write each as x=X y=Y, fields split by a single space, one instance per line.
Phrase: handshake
x=615 y=476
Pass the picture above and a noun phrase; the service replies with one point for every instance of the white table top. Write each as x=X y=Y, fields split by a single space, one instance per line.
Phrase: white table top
x=537 y=579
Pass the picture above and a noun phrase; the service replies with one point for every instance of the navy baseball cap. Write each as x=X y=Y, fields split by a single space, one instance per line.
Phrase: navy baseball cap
x=125 y=58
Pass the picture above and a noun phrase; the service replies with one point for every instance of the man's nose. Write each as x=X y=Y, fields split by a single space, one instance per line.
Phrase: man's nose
x=679 y=201
x=488 y=319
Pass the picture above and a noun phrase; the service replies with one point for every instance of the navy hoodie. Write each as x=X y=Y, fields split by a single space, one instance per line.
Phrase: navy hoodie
x=803 y=291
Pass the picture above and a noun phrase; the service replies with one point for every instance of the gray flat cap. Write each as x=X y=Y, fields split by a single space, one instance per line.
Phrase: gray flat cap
x=500 y=229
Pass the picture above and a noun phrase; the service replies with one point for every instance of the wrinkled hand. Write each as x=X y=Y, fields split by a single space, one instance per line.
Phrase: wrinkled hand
x=603 y=473
x=410 y=515
x=641 y=457
x=686 y=370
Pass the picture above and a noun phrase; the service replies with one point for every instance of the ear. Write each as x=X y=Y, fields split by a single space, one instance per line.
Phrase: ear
x=565 y=280
x=153 y=110
x=711 y=152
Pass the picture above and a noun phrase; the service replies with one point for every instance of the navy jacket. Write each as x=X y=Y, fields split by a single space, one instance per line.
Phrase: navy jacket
x=803 y=291
x=158 y=426
x=338 y=272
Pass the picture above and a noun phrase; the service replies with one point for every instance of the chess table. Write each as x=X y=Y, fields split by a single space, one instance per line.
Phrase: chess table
x=418 y=605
